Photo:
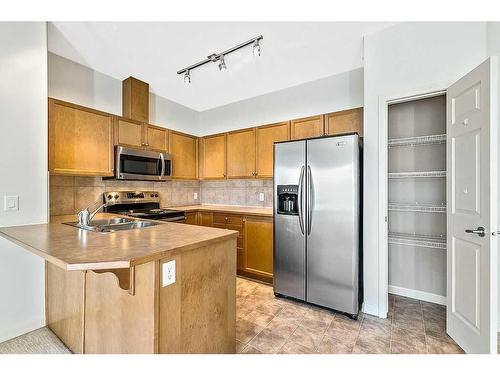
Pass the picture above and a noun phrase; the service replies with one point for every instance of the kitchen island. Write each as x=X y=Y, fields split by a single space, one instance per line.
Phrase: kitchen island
x=110 y=292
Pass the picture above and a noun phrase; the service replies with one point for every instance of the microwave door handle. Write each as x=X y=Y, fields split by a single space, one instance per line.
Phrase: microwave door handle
x=300 y=192
x=162 y=161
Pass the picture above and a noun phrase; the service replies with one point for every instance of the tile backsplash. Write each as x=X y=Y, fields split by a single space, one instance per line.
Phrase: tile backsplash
x=68 y=194
x=237 y=192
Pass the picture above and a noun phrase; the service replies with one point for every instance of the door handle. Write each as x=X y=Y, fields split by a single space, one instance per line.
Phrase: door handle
x=479 y=231
x=309 y=199
x=299 y=197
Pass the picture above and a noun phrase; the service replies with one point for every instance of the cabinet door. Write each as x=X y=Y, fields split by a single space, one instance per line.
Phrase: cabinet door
x=241 y=154
x=191 y=218
x=265 y=137
x=259 y=246
x=213 y=157
x=308 y=127
x=184 y=150
x=129 y=133
x=156 y=138
x=135 y=99
x=205 y=219
x=80 y=140
x=344 y=122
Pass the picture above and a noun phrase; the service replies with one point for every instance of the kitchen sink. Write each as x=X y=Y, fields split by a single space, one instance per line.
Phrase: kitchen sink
x=114 y=224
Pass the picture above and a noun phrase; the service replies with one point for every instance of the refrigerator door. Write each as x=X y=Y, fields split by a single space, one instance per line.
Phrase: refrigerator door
x=289 y=234
x=333 y=222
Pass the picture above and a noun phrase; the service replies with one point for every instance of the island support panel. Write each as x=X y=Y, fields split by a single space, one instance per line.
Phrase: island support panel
x=92 y=313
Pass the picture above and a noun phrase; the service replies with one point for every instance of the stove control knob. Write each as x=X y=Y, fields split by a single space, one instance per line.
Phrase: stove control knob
x=152 y=195
x=156 y=195
x=117 y=196
x=110 y=196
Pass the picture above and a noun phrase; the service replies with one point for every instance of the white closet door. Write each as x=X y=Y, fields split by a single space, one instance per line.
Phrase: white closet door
x=472 y=215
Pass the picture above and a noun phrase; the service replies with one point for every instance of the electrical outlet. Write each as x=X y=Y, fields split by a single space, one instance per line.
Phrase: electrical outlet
x=11 y=203
x=168 y=273
x=195 y=196
x=261 y=197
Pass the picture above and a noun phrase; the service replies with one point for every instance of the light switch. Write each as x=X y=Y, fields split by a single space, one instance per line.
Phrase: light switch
x=168 y=273
x=11 y=203
x=261 y=197
x=195 y=196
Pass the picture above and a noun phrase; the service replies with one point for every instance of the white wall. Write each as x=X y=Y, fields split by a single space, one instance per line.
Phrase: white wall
x=334 y=93
x=79 y=84
x=405 y=57
x=23 y=170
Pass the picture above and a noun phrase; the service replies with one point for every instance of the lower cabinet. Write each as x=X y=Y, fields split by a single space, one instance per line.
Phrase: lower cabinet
x=254 y=244
x=191 y=218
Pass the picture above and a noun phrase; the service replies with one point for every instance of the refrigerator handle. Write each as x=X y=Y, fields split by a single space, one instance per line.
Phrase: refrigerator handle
x=310 y=199
x=301 y=187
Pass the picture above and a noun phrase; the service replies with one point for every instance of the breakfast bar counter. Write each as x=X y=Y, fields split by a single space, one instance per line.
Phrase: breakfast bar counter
x=168 y=288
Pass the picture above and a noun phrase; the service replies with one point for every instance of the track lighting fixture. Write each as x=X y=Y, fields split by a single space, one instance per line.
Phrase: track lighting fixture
x=187 y=77
x=256 y=48
x=219 y=57
x=222 y=63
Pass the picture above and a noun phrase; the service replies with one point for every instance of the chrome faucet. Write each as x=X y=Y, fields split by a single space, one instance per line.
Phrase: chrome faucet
x=85 y=216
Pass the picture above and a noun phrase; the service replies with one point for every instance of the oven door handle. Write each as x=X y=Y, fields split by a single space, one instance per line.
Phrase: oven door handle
x=162 y=161
x=176 y=218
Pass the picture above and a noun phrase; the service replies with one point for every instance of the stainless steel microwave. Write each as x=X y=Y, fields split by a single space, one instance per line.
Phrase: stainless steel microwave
x=136 y=164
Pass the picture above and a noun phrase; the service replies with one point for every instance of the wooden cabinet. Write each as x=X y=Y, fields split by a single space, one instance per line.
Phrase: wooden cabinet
x=265 y=137
x=80 y=140
x=308 y=127
x=241 y=154
x=156 y=138
x=184 y=150
x=204 y=218
x=344 y=122
x=135 y=99
x=130 y=133
x=191 y=218
x=258 y=247
x=213 y=157
x=233 y=222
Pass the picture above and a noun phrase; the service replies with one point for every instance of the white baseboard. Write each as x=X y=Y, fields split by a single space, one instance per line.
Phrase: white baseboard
x=417 y=294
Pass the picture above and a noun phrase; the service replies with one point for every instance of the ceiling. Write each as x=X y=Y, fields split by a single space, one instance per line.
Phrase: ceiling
x=292 y=53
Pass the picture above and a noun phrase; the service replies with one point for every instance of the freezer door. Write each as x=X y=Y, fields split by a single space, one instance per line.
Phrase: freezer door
x=333 y=222
x=289 y=235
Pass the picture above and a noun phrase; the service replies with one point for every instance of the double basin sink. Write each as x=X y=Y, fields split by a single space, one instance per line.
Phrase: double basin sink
x=113 y=224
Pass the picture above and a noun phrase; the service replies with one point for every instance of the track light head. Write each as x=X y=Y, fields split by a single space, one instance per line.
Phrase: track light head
x=187 y=77
x=256 y=48
x=222 y=63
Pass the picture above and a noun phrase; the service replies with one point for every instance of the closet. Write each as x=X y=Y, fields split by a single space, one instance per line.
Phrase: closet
x=417 y=198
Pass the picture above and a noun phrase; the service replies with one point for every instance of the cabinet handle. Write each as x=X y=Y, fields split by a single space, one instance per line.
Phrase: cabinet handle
x=146 y=144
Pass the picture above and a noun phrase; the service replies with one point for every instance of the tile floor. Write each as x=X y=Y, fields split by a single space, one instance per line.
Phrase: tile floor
x=266 y=324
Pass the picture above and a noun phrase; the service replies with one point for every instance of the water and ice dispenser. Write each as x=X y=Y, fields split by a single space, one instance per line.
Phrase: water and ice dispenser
x=288 y=202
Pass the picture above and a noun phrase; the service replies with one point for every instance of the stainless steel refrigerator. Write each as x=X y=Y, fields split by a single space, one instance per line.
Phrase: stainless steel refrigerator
x=317 y=185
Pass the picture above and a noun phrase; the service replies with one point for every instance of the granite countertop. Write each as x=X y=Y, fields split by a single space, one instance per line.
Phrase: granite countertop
x=76 y=249
x=242 y=210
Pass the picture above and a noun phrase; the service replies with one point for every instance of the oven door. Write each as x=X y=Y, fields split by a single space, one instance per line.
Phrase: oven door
x=134 y=164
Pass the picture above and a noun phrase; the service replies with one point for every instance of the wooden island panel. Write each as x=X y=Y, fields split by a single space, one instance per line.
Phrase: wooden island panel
x=198 y=311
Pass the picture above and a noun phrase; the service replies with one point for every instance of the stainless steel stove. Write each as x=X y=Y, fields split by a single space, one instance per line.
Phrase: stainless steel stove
x=140 y=204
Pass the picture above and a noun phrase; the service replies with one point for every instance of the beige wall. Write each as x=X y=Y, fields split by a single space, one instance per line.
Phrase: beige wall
x=237 y=192
x=68 y=195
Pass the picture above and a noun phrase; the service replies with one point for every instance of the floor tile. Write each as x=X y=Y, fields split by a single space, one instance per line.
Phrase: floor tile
x=435 y=346
x=283 y=326
x=330 y=345
x=407 y=348
x=250 y=350
x=245 y=330
x=306 y=337
x=239 y=346
x=268 y=341
x=342 y=333
x=258 y=317
x=291 y=347
x=371 y=344
x=376 y=326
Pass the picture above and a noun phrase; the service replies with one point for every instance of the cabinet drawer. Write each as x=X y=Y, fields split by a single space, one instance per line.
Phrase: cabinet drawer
x=228 y=219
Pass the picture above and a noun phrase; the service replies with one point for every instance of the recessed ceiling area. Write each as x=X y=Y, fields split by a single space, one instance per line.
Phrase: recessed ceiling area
x=292 y=53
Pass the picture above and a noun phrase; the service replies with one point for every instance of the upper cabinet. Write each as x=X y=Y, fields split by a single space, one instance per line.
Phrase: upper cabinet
x=135 y=99
x=156 y=138
x=132 y=133
x=265 y=137
x=241 y=154
x=308 y=127
x=80 y=140
x=213 y=157
x=184 y=150
x=344 y=122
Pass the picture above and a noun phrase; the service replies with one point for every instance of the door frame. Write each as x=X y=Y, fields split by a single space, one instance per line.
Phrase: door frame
x=383 y=186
